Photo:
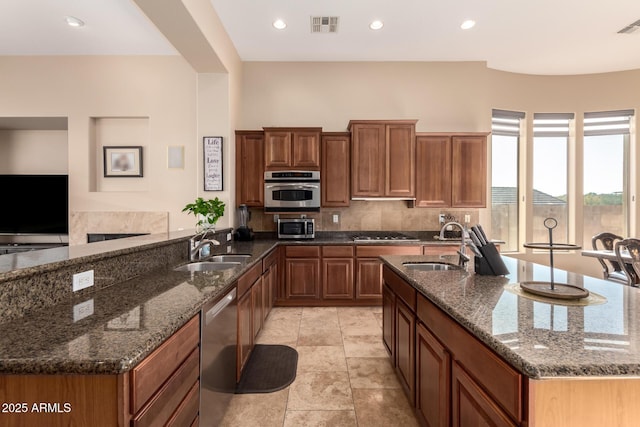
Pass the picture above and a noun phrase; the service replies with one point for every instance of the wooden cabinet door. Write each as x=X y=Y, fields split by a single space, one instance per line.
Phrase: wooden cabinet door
x=405 y=348
x=277 y=149
x=469 y=165
x=337 y=278
x=433 y=384
x=302 y=278
x=368 y=278
x=250 y=168
x=336 y=169
x=257 y=306
x=388 y=321
x=268 y=290
x=400 y=160
x=368 y=160
x=306 y=149
x=433 y=171
x=245 y=331
x=471 y=405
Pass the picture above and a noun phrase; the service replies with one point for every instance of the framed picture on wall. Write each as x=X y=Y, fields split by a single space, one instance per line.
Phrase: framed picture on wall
x=122 y=161
x=212 y=163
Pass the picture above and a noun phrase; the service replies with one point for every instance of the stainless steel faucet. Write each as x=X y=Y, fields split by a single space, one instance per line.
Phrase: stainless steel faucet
x=462 y=252
x=197 y=242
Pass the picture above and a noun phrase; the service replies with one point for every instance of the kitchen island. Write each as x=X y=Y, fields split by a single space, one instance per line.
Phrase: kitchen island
x=470 y=348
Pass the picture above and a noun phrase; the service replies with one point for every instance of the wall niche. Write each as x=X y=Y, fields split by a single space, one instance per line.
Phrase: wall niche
x=117 y=132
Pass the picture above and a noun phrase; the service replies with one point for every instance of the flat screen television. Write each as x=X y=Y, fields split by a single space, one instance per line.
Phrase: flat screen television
x=34 y=204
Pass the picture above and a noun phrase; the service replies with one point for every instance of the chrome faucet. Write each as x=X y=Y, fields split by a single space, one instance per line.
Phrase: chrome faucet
x=199 y=241
x=462 y=252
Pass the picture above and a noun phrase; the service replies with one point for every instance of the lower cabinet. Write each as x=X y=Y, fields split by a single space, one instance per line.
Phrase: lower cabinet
x=302 y=272
x=163 y=389
x=369 y=268
x=433 y=384
x=405 y=348
x=450 y=377
x=471 y=406
x=337 y=272
x=256 y=293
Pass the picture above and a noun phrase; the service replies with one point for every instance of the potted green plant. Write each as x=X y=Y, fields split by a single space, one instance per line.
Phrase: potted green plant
x=207 y=212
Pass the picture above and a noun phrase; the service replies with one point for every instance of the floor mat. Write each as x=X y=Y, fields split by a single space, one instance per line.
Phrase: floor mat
x=269 y=368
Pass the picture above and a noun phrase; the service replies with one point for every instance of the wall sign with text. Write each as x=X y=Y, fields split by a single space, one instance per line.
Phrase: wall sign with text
x=212 y=163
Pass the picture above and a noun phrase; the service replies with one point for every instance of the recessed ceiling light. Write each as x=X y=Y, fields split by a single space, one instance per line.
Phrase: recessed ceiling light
x=279 y=24
x=469 y=23
x=72 y=21
x=376 y=25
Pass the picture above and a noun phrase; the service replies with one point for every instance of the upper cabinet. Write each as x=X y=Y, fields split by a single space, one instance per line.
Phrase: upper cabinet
x=452 y=170
x=292 y=148
x=382 y=158
x=336 y=167
x=250 y=168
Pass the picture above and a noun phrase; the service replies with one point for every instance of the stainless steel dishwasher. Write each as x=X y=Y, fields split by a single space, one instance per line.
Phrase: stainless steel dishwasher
x=218 y=358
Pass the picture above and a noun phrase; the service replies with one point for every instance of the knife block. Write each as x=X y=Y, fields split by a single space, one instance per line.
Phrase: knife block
x=490 y=264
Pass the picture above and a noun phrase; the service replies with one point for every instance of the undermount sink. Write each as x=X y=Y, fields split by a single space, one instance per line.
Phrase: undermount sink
x=431 y=266
x=229 y=258
x=207 y=266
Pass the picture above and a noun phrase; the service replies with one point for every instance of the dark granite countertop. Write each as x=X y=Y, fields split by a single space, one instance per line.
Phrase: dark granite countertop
x=541 y=339
x=127 y=320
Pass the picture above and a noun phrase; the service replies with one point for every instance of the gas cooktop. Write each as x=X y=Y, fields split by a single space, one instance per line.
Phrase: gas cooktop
x=383 y=236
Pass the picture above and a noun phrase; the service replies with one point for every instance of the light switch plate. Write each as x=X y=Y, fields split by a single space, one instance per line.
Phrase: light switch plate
x=82 y=280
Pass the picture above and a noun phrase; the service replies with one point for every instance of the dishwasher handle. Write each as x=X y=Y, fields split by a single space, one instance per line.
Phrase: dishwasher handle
x=221 y=305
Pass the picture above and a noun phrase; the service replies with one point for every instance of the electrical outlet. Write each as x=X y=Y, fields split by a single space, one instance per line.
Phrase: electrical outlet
x=82 y=310
x=336 y=218
x=82 y=280
x=228 y=237
x=441 y=218
x=467 y=218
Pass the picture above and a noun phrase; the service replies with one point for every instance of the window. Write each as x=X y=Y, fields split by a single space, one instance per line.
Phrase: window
x=606 y=145
x=550 y=150
x=505 y=137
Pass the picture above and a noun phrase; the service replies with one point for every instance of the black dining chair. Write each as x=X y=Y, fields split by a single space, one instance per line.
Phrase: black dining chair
x=631 y=266
x=611 y=270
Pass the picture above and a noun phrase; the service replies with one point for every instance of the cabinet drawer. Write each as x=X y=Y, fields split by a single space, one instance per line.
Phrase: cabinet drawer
x=399 y=287
x=269 y=260
x=153 y=371
x=374 y=251
x=249 y=278
x=302 y=251
x=188 y=410
x=337 y=251
x=499 y=380
x=171 y=395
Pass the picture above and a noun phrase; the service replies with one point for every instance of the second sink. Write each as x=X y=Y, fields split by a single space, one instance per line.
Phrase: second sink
x=431 y=266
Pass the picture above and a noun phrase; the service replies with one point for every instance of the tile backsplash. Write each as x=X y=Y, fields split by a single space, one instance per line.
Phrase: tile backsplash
x=370 y=215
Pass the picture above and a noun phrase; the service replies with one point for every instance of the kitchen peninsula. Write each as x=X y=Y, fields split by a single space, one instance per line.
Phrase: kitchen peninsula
x=141 y=305
x=470 y=348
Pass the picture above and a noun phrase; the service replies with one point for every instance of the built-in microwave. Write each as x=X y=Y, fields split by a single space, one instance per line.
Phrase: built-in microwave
x=296 y=228
x=292 y=191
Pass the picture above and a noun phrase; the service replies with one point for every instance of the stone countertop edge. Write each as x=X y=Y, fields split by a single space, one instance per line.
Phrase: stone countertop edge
x=432 y=286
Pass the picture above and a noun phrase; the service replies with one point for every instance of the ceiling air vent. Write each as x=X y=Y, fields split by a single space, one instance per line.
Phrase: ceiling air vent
x=324 y=24
x=630 y=28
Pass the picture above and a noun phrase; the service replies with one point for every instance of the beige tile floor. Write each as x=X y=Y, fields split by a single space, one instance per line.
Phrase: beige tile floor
x=344 y=376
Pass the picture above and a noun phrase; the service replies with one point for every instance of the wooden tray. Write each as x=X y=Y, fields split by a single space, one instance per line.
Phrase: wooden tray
x=560 y=290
